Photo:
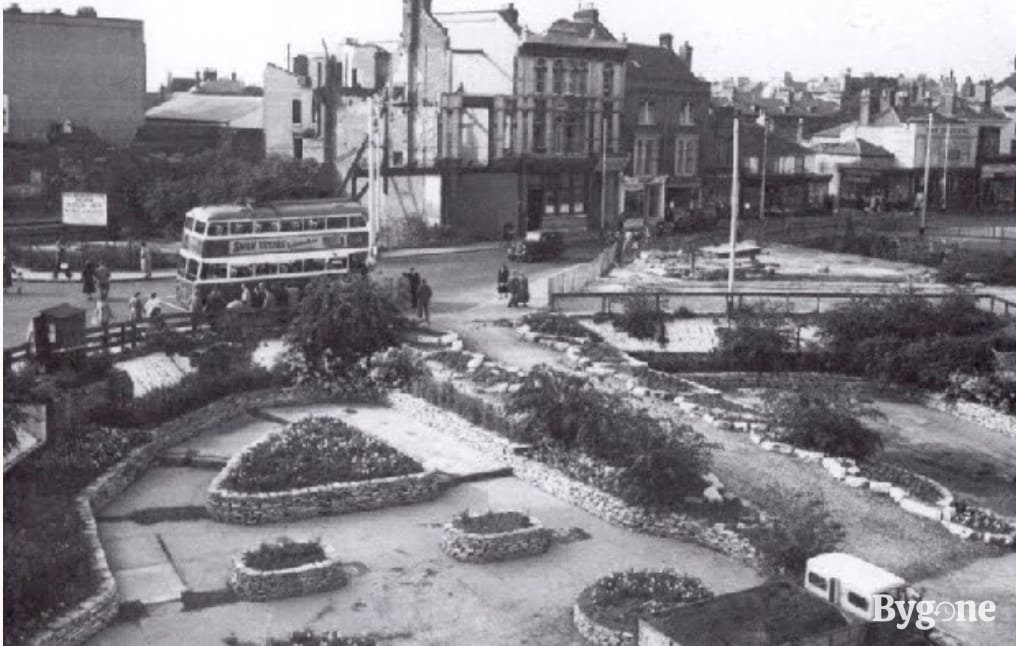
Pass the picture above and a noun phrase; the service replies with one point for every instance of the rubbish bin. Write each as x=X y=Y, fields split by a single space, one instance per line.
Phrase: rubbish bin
x=57 y=330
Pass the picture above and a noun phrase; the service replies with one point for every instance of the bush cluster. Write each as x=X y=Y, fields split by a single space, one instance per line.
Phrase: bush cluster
x=642 y=319
x=491 y=522
x=558 y=325
x=316 y=451
x=799 y=528
x=990 y=390
x=284 y=554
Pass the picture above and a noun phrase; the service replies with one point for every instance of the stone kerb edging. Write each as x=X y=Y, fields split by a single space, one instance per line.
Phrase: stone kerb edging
x=82 y=622
x=598 y=634
x=980 y=414
x=261 y=585
x=602 y=505
x=470 y=547
x=570 y=345
x=242 y=508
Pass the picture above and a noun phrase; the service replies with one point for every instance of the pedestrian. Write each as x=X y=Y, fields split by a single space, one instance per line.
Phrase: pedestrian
x=146 y=260
x=103 y=317
x=197 y=306
x=513 y=290
x=423 y=298
x=135 y=308
x=88 y=279
x=269 y=301
x=414 y=286
x=257 y=296
x=60 y=263
x=245 y=294
x=502 y=281
x=103 y=277
x=153 y=307
x=523 y=290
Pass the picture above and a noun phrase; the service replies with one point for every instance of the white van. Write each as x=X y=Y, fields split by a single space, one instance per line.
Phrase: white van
x=850 y=583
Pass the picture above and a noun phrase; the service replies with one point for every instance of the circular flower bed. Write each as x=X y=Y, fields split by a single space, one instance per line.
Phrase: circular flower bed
x=316 y=451
x=494 y=536
x=983 y=521
x=286 y=569
x=607 y=612
x=916 y=486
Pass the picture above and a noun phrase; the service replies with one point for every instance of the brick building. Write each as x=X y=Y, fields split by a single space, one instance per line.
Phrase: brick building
x=82 y=69
x=665 y=110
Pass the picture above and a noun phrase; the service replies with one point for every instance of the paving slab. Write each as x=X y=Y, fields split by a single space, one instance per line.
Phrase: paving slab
x=149 y=584
x=162 y=487
x=412 y=437
x=130 y=546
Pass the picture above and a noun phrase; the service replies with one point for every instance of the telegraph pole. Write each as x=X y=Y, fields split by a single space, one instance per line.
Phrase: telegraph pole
x=927 y=172
x=945 y=170
x=735 y=203
x=765 y=157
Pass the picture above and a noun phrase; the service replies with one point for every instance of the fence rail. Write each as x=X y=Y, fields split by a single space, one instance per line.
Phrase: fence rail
x=122 y=338
x=718 y=302
x=578 y=277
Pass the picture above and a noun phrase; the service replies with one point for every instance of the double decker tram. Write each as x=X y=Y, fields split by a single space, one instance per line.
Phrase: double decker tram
x=290 y=242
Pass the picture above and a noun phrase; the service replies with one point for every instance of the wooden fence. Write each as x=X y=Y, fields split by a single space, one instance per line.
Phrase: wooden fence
x=717 y=302
x=577 y=278
x=125 y=337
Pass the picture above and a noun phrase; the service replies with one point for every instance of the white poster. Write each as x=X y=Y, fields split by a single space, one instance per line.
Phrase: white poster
x=84 y=209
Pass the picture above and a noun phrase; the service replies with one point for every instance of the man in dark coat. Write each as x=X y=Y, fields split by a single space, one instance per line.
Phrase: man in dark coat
x=414 y=287
x=423 y=298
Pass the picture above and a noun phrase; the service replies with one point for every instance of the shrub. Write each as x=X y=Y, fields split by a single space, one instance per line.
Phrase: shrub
x=491 y=522
x=556 y=407
x=558 y=325
x=316 y=451
x=396 y=368
x=800 y=528
x=818 y=417
x=666 y=471
x=284 y=554
x=620 y=599
x=642 y=319
x=454 y=360
x=990 y=390
x=992 y=268
x=757 y=348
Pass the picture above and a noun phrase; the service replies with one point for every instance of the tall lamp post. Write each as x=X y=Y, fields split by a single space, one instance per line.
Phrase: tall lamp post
x=765 y=159
x=735 y=200
x=927 y=172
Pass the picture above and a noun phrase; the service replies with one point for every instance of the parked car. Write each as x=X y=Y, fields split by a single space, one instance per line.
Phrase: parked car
x=537 y=246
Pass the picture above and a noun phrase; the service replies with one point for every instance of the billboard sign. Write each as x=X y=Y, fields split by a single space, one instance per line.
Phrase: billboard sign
x=84 y=209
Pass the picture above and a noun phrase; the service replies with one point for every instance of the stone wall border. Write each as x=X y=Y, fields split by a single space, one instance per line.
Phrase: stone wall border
x=243 y=508
x=250 y=584
x=598 y=634
x=470 y=547
x=82 y=622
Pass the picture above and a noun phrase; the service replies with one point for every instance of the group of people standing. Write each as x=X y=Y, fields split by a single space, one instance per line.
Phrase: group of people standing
x=513 y=286
x=420 y=294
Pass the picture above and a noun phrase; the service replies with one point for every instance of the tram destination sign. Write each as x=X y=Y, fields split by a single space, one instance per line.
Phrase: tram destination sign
x=287 y=244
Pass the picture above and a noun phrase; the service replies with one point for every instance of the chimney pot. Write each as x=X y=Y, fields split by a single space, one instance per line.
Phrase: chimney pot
x=667 y=41
x=864 y=117
x=685 y=53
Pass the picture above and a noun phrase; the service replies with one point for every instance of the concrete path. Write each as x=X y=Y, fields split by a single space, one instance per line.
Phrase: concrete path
x=140 y=565
x=986 y=580
x=412 y=437
x=224 y=444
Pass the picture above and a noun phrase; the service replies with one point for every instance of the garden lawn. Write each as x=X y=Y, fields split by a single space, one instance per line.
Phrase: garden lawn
x=316 y=451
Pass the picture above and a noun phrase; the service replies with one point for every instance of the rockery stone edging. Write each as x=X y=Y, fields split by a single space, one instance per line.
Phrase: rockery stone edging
x=471 y=547
x=243 y=508
x=261 y=585
x=82 y=622
x=598 y=634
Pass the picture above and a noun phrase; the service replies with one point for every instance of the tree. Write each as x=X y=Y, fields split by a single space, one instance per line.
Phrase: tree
x=345 y=319
x=757 y=340
x=821 y=415
x=800 y=528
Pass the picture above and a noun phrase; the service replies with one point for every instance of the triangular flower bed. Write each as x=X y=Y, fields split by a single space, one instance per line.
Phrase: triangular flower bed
x=317 y=466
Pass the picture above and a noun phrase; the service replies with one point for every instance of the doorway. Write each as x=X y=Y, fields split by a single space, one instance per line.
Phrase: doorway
x=534 y=209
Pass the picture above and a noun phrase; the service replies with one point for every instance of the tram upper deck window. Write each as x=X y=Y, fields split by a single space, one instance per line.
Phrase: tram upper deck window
x=188 y=223
x=214 y=270
x=241 y=271
x=292 y=225
x=313 y=224
x=266 y=226
x=191 y=269
x=241 y=227
x=199 y=226
x=218 y=229
x=357 y=222
x=338 y=222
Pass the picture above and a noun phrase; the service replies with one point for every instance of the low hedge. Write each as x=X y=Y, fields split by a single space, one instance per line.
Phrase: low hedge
x=618 y=600
x=283 y=555
x=491 y=522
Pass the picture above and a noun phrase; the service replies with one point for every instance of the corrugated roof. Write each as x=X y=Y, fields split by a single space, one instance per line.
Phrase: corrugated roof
x=233 y=111
x=856 y=148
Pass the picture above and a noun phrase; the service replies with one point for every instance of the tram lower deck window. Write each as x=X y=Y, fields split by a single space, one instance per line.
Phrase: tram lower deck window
x=294 y=267
x=357 y=222
x=314 y=264
x=338 y=223
x=210 y=271
x=241 y=271
x=266 y=269
x=338 y=263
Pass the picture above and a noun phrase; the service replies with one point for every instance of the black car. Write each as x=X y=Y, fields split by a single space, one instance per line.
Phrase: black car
x=538 y=246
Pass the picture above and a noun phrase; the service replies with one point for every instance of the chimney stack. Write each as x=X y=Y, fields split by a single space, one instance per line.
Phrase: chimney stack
x=864 y=118
x=948 y=104
x=589 y=14
x=685 y=53
x=800 y=130
x=667 y=41
x=989 y=88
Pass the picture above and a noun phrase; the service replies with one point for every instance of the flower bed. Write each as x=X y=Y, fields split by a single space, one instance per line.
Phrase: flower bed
x=991 y=527
x=916 y=486
x=494 y=537
x=558 y=325
x=307 y=638
x=316 y=451
x=455 y=360
x=286 y=569
x=315 y=467
x=607 y=612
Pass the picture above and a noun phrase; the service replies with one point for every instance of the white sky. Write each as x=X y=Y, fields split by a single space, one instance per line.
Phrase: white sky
x=757 y=38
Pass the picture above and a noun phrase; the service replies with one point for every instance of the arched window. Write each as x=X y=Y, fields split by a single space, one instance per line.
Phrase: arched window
x=558 y=80
x=541 y=75
x=608 y=80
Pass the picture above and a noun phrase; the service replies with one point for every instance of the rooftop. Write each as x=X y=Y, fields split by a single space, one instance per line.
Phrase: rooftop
x=856 y=148
x=773 y=613
x=225 y=110
x=654 y=62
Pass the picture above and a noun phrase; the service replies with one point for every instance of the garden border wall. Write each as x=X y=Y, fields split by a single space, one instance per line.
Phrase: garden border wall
x=262 y=585
x=598 y=634
x=85 y=620
x=470 y=547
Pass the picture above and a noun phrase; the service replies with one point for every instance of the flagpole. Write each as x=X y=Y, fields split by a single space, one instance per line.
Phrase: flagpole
x=735 y=203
